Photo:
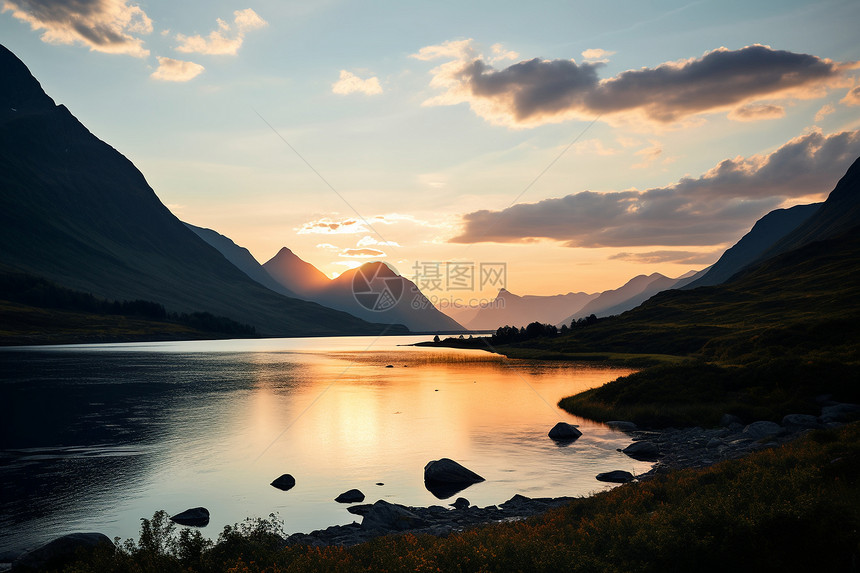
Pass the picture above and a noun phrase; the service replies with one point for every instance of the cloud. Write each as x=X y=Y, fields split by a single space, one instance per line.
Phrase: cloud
x=367 y=240
x=226 y=39
x=648 y=155
x=706 y=210
x=756 y=112
x=596 y=55
x=327 y=246
x=677 y=257
x=362 y=253
x=110 y=26
x=852 y=97
x=170 y=70
x=824 y=111
x=326 y=226
x=536 y=92
x=351 y=83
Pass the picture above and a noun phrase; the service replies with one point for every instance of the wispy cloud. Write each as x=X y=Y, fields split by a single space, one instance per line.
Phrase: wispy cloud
x=536 y=92
x=362 y=253
x=679 y=257
x=351 y=83
x=596 y=55
x=226 y=39
x=110 y=26
x=852 y=97
x=327 y=226
x=757 y=112
x=706 y=210
x=170 y=70
x=824 y=112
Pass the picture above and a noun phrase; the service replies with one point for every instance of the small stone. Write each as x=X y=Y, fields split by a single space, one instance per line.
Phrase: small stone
x=446 y=470
x=195 y=517
x=461 y=503
x=284 y=482
x=351 y=496
x=615 y=476
x=389 y=366
x=564 y=432
x=390 y=517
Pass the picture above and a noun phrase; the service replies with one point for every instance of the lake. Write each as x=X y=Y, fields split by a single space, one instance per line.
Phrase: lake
x=95 y=437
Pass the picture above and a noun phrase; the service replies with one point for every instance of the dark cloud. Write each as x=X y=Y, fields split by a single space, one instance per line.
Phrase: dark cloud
x=540 y=91
x=111 y=26
x=708 y=210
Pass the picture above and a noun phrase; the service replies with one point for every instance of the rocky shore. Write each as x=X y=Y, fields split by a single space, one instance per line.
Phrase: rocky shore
x=671 y=449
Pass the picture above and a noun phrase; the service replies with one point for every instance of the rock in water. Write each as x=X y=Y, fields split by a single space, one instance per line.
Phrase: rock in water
x=60 y=552
x=564 y=432
x=615 y=476
x=196 y=517
x=643 y=451
x=445 y=477
x=284 y=482
x=447 y=470
x=351 y=496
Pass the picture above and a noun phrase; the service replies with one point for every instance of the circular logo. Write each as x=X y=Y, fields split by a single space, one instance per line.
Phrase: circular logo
x=376 y=287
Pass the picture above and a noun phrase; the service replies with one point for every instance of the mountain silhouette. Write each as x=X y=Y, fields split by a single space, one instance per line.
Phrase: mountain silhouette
x=766 y=232
x=390 y=299
x=839 y=214
x=631 y=294
x=77 y=212
x=508 y=309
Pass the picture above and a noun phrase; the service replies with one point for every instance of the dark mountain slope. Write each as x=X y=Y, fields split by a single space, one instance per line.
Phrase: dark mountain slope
x=768 y=230
x=839 y=214
x=74 y=210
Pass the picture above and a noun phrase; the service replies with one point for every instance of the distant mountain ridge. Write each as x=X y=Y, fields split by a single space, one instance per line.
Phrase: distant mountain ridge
x=508 y=309
x=75 y=211
x=411 y=309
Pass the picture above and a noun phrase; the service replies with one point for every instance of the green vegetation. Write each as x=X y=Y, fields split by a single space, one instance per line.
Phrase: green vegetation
x=37 y=311
x=792 y=508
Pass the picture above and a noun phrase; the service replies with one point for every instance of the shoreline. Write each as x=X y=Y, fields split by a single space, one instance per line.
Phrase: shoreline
x=679 y=449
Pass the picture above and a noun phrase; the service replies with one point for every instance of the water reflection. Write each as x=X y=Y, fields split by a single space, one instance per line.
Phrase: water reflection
x=98 y=437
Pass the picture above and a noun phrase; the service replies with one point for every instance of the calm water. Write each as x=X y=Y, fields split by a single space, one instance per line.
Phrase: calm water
x=96 y=437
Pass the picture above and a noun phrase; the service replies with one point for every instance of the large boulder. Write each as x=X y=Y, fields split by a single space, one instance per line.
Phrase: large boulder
x=615 y=476
x=195 y=517
x=643 y=451
x=390 y=517
x=564 y=432
x=351 y=496
x=445 y=477
x=762 y=429
x=61 y=551
x=840 y=413
x=284 y=482
x=447 y=470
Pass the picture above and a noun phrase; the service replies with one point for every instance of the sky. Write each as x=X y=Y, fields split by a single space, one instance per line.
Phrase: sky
x=548 y=147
